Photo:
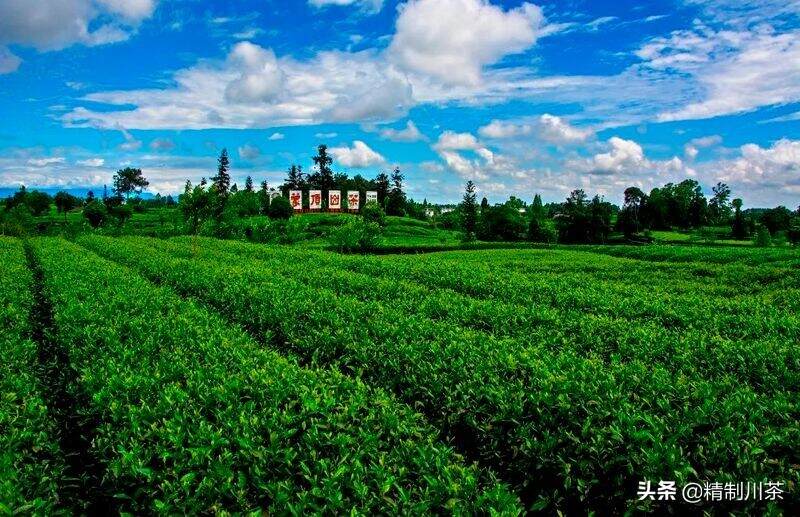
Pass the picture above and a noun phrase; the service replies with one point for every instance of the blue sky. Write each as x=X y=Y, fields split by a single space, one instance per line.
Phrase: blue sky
x=520 y=97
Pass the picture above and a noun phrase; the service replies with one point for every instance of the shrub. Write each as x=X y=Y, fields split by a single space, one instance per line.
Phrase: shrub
x=18 y=221
x=280 y=208
x=95 y=213
x=357 y=235
x=373 y=213
x=762 y=238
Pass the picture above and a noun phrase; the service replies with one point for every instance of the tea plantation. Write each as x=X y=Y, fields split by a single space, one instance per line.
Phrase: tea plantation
x=201 y=376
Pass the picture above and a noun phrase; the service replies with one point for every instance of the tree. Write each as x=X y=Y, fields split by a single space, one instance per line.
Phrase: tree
x=65 y=202
x=322 y=178
x=718 y=208
x=195 y=203
x=484 y=204
x=248 y=184
x=222 y=181
x=294 y=178
x=397 y=198
x=129 y=181
x=777 y=219
x=738 y=225
x=538 y=228
x=582 y=221
x=39 y=202
x=95 y=212
x=469 y=211
x=90 y=196
x=502 y=223
x=264 y=198
x=630 y=220
x=382 y=187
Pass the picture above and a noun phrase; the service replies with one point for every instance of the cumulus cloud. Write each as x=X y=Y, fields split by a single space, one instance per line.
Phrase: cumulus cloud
x=261 y=79
x=466 y=156
x=774 y=167
x=625 y=158
x=549 y=128
x=48 y=25
x=558 y=131
x=408 y=134
x=453 y=40
x=276 y=136
x=359 y=156
x=253 y=88
x=249 y=152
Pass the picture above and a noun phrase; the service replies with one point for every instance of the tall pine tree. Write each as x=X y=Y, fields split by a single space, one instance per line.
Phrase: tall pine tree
x=469 y=211
x=222 y=181
x=248 y=184
x=397 y=198
x=294 y=177
x=322 y=178
x=382 y=187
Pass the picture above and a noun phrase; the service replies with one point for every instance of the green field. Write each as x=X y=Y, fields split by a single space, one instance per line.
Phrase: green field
x=221 y=376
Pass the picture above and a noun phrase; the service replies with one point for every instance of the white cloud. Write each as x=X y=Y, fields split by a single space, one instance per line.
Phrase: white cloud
x=133 y=10
x=276 y=136
x=549 y=128
x=503 y=129
x=358 y=156
x=326 y=135
x=452 y=141
x=369 y=6
x=692 y=148
x=737 y=70
x=598 y=22
x=249 y=152
x=765 y=169
x=254 y=89
x=92 y=162
x=454 y=149
x=48 y=25
x=453 y=40
x=45 y=162
x=625 y=159
x=261 y=79
x=409 y=134
x=558 y=131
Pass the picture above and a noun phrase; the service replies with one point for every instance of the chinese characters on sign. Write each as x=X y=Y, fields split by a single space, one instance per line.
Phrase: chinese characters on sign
x=296 y=199
x=710 y=492
x=353 y=200
x=372 y=196
x=315 y=199
x=335 y=199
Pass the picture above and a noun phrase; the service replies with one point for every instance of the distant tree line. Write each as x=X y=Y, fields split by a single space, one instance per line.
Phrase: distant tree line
x=580 y=219
x=217 y=206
